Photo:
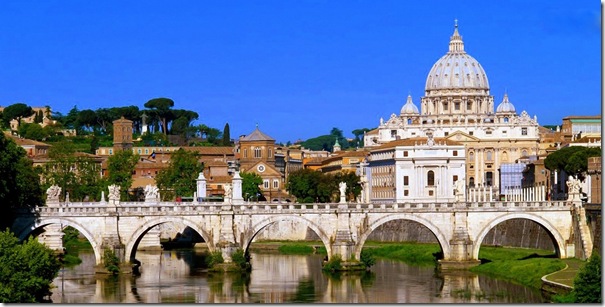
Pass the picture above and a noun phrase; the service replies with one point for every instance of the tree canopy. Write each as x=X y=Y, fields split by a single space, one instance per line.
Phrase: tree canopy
x=19 y=182
x=573 y=159
x=161 y=108
x=27 y=269
x=314 y=186
x=16 y=111
x=120 y=167
x=250 y=185
x=179 y=178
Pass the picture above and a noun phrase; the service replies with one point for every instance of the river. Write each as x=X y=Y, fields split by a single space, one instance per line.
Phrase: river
x=177 y=276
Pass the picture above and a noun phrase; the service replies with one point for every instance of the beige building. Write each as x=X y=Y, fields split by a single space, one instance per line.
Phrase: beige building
x=458 y=106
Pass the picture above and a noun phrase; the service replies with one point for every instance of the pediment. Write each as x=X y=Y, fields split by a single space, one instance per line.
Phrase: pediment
x=267 y=169
x=460 y=136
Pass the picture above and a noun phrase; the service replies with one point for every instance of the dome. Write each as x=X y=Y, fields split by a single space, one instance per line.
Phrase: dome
x=505 y=106
x=456 y=69
x=409 y=107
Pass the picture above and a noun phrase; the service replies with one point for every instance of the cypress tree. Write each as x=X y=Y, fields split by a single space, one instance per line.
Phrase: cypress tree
x=226 y=136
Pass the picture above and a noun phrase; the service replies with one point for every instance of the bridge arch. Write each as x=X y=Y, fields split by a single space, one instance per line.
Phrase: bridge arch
x=559 y=242
x=141 y=230
x=64 y=222
x=443 y=242
x=262 y=224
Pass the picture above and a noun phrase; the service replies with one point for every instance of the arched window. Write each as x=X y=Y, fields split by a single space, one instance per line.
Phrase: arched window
x=430 y=178
x=409 y=121
x=504 y=156
x=506 y=119
x=489 y=156
x=471 y=182
x=471 y=156
x=524 y=153
x=257 y=152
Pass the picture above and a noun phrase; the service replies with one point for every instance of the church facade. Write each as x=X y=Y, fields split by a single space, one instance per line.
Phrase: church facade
x=458 y=110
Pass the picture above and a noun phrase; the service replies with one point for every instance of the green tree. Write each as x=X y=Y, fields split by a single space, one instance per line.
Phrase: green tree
x=179 y=178
x=33 y=132
x=304 y=185
x=250 y=185
x=324 y=142
x=573 y=159
x=353 y=185
x=19 y=182
x=16 y=111
x=75 y=172
x=27 y=270
x=120 y=167
x=161 y=108
x=226 y=136
x=587 y=284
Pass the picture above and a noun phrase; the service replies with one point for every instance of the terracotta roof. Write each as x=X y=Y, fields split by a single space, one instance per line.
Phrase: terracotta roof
x=588 y=139
x=417 y=141
x=375 y=131
x=211 y=150
x=257 y=135
x=21 y=141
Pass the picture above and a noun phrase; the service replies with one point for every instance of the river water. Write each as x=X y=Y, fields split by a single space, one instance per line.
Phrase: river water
x=177 y=276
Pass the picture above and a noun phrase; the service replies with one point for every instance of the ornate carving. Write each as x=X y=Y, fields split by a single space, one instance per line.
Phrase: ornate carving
x=151 y=192
x=52 y=193
x=573 y=185
x=114 y=192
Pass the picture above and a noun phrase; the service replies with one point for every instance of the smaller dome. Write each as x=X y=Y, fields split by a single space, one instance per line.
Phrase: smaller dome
x=505 y=106
x=409 y=107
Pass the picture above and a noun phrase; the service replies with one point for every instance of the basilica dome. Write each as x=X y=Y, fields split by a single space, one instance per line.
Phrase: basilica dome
x=505 y=106
x=409 y=107
x=457 y=69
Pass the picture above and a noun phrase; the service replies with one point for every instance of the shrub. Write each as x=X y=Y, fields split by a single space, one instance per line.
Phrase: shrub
x=367 y=258
x=214 y=258
x=240 y=259
x=334 y=264
x=111 y=261
x=587 y=284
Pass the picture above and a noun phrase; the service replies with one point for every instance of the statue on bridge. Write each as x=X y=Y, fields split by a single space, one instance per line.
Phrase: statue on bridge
x=52 y=194
x=573 y=188
x=459 y=189
x=114 y=193
x=151 y=193
x=228 y=193
x=343 y=188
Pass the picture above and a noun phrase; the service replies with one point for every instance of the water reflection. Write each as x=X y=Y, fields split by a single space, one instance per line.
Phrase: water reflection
x=180 y=277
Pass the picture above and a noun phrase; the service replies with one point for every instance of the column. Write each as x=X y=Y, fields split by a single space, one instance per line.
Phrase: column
x=236 y=192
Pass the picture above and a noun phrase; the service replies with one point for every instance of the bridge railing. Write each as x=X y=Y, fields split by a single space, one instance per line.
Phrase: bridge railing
x=140 y=208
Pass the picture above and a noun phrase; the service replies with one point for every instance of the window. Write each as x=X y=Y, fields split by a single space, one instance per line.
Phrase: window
x=470 y=132
x=111 y=152
x=406 y=193
x=266 y=184
x=445 y=106
x=275 y=183
x=504 y=156
x=409 y=121
x=270 y=153
x=257 y=152
x=393 y=133
x=489 y=132
x=471 y=182
x=431 y=193
x=139 y=151
x=245 y=153
x=134 y=172
x=524 y=153
x=455 y=153
x=430 y=178
x=506 y=119
x=406 y=180
x=471 y=156
x=457 y=106
x=405 y=153
x=455 y=178
x=469 y=106
x=489 y=156
x=446 y=133
x=489 y=178
x=523 y=131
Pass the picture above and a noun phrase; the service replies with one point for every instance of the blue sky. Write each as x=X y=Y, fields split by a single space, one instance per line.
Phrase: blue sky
x=297 y=68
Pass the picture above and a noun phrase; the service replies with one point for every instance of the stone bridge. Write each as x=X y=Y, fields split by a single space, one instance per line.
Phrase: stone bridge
x=342 y=227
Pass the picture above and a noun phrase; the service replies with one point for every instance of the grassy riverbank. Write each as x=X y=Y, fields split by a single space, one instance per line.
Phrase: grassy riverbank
x=519 y=265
